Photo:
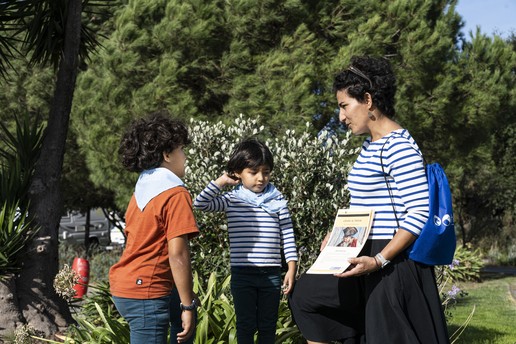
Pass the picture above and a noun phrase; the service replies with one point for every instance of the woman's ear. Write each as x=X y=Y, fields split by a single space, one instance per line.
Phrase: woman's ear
x=369 y=100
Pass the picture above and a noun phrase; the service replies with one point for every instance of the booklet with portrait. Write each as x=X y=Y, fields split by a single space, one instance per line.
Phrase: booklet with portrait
x=348 y=236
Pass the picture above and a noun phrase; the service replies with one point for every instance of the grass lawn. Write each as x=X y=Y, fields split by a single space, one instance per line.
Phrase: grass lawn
x=494 y=320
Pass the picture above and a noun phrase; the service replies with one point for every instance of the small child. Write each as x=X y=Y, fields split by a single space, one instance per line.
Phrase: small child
x=259 y=225
x=151 y=284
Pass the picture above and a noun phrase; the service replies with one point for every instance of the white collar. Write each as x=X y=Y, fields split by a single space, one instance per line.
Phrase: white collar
x=153 y=182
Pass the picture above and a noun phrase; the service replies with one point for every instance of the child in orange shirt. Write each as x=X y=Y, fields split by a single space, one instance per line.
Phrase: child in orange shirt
x=151 y=284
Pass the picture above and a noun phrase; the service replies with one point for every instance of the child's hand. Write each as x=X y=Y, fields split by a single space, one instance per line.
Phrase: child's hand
x=225 y=179
x=289 y=280
x=288 y=284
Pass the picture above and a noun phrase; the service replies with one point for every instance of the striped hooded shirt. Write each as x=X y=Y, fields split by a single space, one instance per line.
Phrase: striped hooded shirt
x=255 y=236
x=404 y=168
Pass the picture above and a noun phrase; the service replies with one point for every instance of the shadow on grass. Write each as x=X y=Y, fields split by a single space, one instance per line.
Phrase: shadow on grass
x=475 y=334
x=497 y=272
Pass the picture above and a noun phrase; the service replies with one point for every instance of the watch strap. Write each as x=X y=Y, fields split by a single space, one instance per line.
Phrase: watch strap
x=190 y=307
x=382 y=260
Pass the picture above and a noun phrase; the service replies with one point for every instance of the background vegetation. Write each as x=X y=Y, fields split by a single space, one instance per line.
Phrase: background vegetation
x=272 y=61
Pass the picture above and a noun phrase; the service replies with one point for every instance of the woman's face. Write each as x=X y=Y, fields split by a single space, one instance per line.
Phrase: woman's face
x=353 y=113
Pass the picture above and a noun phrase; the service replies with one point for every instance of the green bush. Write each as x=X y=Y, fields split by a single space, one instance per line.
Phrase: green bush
x=110 y=329
x=466 y=265
x=216 y=322
x=99 y=322
x=502 y=254
x=16 y=232
x=311 y=172
x=101 y=261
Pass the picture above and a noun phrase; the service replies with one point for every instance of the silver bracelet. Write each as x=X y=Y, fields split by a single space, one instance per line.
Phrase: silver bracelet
x=382 y=260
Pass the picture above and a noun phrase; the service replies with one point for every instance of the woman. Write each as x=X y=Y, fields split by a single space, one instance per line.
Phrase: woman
x=383 y=297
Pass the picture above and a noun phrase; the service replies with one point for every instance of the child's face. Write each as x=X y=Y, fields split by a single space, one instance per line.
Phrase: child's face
x=175 y=161
x=255 y=179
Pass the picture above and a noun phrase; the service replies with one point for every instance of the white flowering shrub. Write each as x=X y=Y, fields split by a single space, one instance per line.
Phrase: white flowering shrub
x=65 y=281
x=311 y=172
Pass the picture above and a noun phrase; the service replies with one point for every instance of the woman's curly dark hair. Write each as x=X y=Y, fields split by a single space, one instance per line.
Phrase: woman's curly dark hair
x=382 y=85
x=146 y=140
x=249 y=153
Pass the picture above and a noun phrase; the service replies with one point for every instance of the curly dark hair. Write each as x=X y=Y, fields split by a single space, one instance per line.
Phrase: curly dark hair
x=146 y=140
x=249 y=153
x=377 y=79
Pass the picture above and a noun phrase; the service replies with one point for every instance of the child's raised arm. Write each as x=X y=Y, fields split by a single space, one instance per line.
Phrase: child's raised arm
x=211 y=198
x=225 y=179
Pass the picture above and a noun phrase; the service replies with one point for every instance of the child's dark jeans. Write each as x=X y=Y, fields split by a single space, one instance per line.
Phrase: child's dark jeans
x=256 y=295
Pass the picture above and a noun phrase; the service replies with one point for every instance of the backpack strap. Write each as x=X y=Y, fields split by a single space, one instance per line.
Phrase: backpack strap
x=387 y=183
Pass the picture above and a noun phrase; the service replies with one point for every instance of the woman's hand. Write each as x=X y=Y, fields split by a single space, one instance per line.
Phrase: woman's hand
x=225 y=179
x=360 y=266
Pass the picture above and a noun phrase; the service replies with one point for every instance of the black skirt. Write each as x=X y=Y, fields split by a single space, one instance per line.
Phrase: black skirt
x=398 y=304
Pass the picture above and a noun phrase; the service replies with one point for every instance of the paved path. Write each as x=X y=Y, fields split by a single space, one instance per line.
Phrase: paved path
x=499 y=270
x=504 y=271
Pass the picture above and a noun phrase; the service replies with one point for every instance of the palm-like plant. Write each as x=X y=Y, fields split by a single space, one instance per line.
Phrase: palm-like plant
x=17 y=160
x=18 y=157
x=40 y=28
x=15 y=232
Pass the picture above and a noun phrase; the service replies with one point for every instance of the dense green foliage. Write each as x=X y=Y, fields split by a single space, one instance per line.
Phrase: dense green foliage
x=275 y=61
x=310 y=172
x=99 y=322
x=466 y=265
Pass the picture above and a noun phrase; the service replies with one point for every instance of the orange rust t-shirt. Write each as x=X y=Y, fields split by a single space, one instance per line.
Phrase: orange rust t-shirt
x=143 y=271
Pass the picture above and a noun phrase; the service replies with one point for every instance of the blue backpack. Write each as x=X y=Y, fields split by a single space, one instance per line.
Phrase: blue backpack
x=436 y=242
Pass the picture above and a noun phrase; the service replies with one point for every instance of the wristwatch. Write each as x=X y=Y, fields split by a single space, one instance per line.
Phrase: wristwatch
x=190 y=307
x=382 y=260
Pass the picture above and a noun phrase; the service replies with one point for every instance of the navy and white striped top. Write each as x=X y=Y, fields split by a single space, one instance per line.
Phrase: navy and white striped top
x=404 y=166
x=255 y=236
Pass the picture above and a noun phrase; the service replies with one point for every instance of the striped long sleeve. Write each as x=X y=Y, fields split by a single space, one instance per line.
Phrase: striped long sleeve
x=255 y=236
x=405 y=172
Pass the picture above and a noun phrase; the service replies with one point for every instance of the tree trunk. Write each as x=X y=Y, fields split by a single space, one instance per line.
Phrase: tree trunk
x=40 y=306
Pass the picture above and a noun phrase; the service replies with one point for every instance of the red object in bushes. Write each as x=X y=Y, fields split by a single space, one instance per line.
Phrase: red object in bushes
x=82 y=267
